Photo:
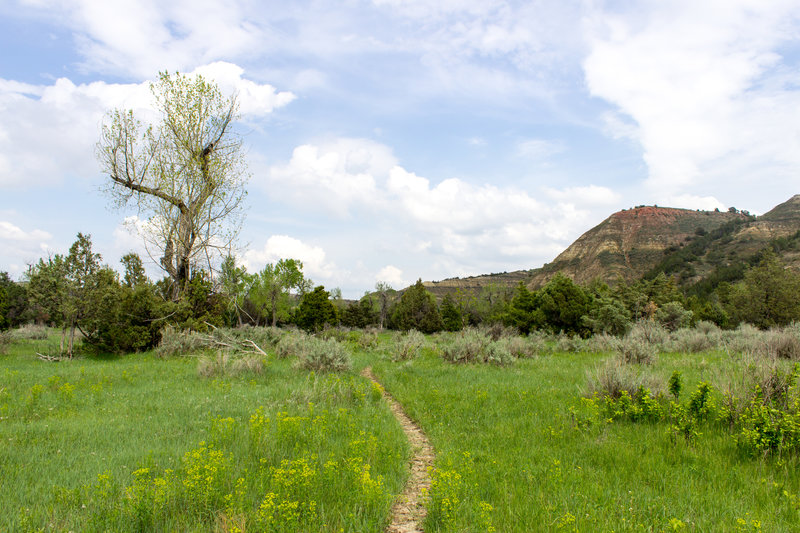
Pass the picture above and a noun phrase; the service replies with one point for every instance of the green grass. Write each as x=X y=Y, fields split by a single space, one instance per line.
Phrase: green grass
x=75 y=435
x=139 y=443
x=510 y=457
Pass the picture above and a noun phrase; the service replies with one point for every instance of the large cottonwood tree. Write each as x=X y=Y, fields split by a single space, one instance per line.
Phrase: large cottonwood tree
x=184 y=172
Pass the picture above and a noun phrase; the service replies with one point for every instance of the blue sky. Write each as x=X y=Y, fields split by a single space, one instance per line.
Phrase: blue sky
x=390 y=140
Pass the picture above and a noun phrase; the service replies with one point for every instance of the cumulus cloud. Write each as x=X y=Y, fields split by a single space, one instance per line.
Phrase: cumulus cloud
x=142 y=37
x=393 y=276
x=463 y=225
x=336 y=175
x=21 y=247
x=50 y=131
x=701 y=87
x=315 y=263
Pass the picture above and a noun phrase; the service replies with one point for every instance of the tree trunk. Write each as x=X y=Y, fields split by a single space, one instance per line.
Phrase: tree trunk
x=71 y=338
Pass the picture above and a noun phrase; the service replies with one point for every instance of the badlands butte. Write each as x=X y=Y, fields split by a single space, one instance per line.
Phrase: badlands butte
x=691 y=246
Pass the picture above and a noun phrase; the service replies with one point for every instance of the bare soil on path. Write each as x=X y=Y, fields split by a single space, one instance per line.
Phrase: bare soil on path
x=408 y=511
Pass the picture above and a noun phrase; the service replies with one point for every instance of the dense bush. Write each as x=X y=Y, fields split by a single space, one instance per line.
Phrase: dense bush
x=474 y=346
x=406 y=346
x=324 y=355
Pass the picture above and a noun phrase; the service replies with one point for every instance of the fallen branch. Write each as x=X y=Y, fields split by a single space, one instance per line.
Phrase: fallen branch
x=49 y=358
x=254 y=345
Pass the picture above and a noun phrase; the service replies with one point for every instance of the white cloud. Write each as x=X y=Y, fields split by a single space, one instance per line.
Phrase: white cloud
x=143 y=37
x=703 y=86
x=19 y=247
x=50 y=131
x=393 y=276
x=335 y=175
x=277 y=247
x=688 y=201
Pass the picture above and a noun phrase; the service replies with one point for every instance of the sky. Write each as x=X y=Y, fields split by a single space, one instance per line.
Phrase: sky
x=391 y=140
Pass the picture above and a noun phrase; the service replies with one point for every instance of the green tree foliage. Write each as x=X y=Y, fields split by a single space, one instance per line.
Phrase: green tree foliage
x=451 y=314
x=186 y=172
x=361 y=314
x=608 y=315
x=417 y=310
x=13 y=302
x=386 y=295
x=234 y=285
x=768 y=295
x=672 y=316
x=270 y=292
x=133 y=270
x=315 y=310
x=563 y=304
x=523 y=312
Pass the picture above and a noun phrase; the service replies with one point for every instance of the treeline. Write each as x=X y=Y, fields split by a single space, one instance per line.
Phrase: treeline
x=123 y=313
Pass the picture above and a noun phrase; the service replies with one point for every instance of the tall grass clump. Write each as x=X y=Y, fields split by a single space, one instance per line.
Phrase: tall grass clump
x=782 y=344
x=406 y=346
x=5 y=341
x=32 y=332
x=614 y=377
x=325 y=355
x=226 y=364
x=601 y=343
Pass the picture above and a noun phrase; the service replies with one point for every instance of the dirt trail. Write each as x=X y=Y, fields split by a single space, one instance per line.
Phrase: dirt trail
x=408 y=511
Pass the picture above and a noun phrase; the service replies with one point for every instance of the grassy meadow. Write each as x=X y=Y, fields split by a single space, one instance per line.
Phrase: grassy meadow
x=148 y=442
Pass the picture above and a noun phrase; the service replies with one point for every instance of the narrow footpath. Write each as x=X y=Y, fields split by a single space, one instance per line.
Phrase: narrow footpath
x=408 y=512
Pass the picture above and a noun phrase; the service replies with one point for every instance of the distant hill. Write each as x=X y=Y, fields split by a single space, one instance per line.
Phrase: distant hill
x=643 y=241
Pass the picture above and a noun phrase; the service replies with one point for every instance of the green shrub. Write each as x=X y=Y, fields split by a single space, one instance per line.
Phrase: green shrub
x=636 y=350
x=177 y=342
x=650 y=332
x=569 y=343
x=473 y=345
x=782 y=344
x=521 y=347
x=294 y=344
x=468 y=346
x=406 y=346
x=614 y=377
x=325 y=355
x=687 y=340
